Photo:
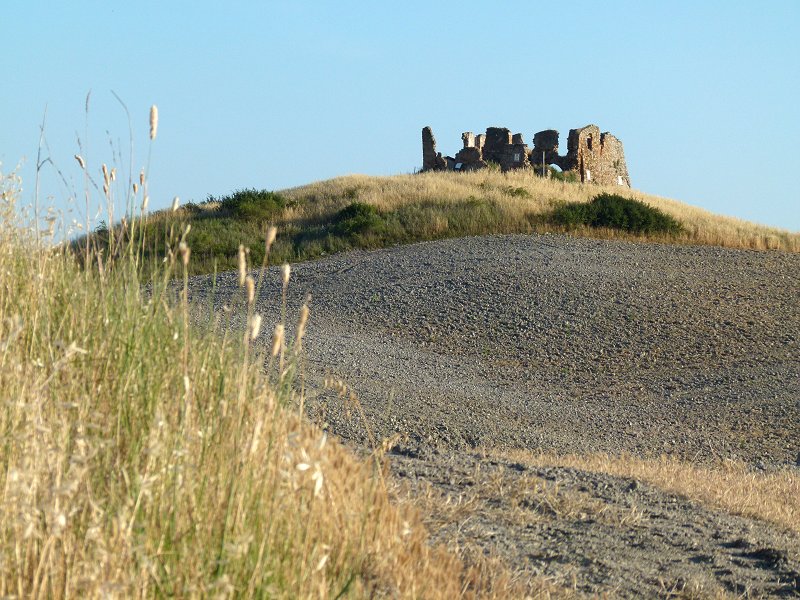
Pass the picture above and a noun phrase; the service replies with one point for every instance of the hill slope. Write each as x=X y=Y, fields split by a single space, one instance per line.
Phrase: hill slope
x=476 y=354
x=371 y=212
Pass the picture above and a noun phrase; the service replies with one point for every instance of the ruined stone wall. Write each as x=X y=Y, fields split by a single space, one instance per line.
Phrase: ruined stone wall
x=545 y=145
x=596 y=157
x=431 y=160
x=497 y=138
x=593 y=156
x=614 y=170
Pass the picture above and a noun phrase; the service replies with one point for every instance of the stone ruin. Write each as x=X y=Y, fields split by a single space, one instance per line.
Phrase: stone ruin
x=591 y=156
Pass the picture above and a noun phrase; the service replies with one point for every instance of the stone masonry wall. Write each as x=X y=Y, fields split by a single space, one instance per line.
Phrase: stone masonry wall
x=593 y=156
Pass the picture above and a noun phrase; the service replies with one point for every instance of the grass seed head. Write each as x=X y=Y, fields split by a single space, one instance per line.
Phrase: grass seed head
x=184 y=252
x=80 y=160
x=153 y=121
x=175 y=203
x=301 y=325
x=277 y=339
x=146 y=200
x=242 y=265
x=141 y=177
x=272 y=233
x=255 y=326
x=286 y=272
x=250 y=288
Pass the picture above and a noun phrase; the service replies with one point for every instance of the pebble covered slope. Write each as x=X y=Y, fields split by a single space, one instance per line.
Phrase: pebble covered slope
x=566 y=345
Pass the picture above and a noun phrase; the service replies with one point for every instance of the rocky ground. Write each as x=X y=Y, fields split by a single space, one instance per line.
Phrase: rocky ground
x=566 y=345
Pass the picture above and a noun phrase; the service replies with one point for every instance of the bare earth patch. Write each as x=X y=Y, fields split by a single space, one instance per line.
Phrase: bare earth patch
x=480 y=356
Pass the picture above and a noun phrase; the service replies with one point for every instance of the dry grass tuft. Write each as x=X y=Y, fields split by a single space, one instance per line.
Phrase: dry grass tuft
x=142 y=457
x=773 y=497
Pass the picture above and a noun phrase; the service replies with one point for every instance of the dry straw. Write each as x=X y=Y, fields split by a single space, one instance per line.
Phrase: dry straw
x=184 y=251
x=242 y=260
x=250 y=289
x=153 y=121
x=255 y=326
x=277 y=339
x=272 y=233
x=301 y=326
x=286 y=272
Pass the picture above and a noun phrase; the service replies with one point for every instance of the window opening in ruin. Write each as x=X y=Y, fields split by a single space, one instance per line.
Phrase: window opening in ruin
x=458 y=166
x=516 y=157
x=589 y=142
x=555 y=167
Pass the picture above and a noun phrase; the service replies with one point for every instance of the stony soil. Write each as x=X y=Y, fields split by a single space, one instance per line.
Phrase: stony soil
x=566 y=345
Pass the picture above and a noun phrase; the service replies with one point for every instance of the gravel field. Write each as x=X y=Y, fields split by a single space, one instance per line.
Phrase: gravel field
x=565 y=345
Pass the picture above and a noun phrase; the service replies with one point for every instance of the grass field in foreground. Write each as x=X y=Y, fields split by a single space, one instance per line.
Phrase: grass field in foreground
x=373 y=212
x=143 y=456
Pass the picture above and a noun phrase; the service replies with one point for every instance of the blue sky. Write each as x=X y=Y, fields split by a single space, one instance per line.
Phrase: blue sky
x=704 y=95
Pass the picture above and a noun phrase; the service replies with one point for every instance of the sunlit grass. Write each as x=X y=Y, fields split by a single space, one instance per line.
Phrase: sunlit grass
x=144 y=456
x=773 y=497
x=330 y=216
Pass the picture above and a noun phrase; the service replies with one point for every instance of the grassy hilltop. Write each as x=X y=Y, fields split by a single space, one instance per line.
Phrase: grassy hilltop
x=359 y=211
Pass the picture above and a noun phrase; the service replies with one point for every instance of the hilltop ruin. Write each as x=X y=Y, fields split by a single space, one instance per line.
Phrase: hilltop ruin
x=591 y=156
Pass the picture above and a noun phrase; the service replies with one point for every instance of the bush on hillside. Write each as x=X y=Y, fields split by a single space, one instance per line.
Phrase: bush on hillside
x=616 y=212
x=357 y=218
x=517 y=192
x=253 y=204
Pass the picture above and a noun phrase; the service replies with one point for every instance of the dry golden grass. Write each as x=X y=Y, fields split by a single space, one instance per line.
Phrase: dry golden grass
x=144 y=458
x=521 y=194
x=773 y=497
x=490 y=500
x=358 y=211
x=503 y=502
x=512 y=500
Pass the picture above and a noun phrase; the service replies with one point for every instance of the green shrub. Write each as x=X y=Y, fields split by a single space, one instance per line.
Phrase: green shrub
x=616 y=212
x=259 y=205
x=572 y=214
x=357 y=218
x=517 y=192
x=568 y=177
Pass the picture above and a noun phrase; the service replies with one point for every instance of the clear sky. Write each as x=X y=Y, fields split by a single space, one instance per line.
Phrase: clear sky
x=703 y=94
